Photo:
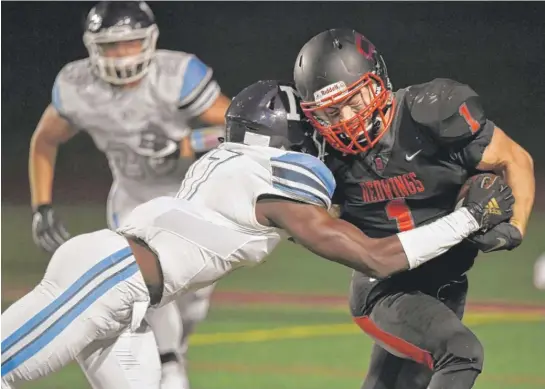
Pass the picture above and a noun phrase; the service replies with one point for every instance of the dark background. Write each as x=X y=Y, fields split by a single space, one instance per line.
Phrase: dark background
x=497 y=48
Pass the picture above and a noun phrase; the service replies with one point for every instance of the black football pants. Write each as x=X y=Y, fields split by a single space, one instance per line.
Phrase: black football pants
x=420 y=341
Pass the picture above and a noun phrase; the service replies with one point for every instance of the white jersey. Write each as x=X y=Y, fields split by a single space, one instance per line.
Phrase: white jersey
x=137 y=127
x=209 y=228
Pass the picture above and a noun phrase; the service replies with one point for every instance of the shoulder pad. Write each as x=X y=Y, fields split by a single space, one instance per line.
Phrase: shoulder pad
x=303 y=177
x=77 y=73
x=450 y=110
x=71 y=78
x=187 y=80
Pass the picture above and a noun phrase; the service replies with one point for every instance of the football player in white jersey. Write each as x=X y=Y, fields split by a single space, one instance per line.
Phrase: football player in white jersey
x=234 y=206
x=136 y=103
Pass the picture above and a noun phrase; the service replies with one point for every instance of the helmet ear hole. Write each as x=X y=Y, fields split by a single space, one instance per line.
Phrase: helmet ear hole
x=272 y=103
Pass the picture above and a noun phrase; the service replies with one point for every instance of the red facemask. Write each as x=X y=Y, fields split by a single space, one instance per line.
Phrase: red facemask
x=354 y=135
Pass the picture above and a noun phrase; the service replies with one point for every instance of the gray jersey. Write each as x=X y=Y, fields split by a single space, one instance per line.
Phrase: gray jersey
x=137 y=128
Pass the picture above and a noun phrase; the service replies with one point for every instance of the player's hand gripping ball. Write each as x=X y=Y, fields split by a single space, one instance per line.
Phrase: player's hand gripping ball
x=488 y=198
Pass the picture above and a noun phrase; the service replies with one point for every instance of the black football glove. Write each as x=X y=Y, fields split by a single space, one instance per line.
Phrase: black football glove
x=504 y=236
x=47 y=231
x=490 y=201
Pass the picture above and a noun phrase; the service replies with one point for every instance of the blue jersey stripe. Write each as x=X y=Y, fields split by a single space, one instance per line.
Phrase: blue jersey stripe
x=45 y=313
x=66 y=319
x=195 y=74
x=303 y=194
x=300 y=178
x=311 y=164
x=56 y=97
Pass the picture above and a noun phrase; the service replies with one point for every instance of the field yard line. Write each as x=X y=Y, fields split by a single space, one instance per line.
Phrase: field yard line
x=313 y=331
x=292 y=332
x=343 y=308
x=270 y=298
x=328 y=371
x=11 y=293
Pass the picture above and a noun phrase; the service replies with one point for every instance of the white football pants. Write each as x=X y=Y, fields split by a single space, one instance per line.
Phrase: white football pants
x=90 y=307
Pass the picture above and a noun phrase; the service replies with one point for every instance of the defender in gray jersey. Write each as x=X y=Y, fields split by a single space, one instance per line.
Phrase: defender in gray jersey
x=235 y=205
x=136 y=103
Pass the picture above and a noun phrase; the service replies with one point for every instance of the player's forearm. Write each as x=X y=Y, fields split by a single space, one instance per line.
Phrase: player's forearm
x=429 y=241
x=215 y=115
x=519 y=174
x=381 y=258
x=41 y=170
x=345 y=244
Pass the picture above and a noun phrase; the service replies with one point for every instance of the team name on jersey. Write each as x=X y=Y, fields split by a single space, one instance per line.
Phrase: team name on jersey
x=405 y=185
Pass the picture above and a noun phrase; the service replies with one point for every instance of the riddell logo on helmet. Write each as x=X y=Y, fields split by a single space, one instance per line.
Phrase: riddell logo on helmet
x=329 y=90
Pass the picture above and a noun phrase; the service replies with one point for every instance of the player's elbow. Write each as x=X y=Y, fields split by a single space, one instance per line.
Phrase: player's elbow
x=381 y=268
x=526 y=159
x=41 y=141
x=377 y=265
x=381 y=261
x=37 y=141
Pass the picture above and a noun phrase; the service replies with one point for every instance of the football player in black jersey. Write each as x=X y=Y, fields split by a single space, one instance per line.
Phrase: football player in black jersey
x=400 y=158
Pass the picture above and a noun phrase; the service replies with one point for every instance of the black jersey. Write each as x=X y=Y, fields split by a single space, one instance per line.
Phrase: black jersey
x=413 y=176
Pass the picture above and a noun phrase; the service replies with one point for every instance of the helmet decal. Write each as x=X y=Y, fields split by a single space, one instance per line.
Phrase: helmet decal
x=364 y=46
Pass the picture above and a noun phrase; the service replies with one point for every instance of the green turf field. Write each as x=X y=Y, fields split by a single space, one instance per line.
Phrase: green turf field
x=299 y=343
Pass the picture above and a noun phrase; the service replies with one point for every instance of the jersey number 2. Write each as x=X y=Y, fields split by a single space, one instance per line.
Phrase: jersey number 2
x=399 y=211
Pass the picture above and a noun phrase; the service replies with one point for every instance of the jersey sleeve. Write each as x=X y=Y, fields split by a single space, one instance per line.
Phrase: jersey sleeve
x=470 y=153
x=60 y=94
x=199 y=90
x=303 y=178
x=453 y=116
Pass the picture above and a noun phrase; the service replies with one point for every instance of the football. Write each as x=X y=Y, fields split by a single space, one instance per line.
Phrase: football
x=463 y=191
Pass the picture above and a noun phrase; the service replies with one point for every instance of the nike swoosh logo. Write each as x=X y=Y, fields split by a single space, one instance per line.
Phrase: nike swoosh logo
x=501 y=242
x=409 y=158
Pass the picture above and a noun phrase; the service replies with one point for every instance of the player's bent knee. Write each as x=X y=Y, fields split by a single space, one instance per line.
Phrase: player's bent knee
x=196 y=311
x=463 y=351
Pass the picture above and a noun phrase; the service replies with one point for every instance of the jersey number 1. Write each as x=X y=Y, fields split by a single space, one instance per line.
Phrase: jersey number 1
x=399 y=211
x=472 y=123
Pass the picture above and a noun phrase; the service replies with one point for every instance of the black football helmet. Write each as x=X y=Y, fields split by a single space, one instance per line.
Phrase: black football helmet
x=330 y=69
x=268 y=113
x=110 y=22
